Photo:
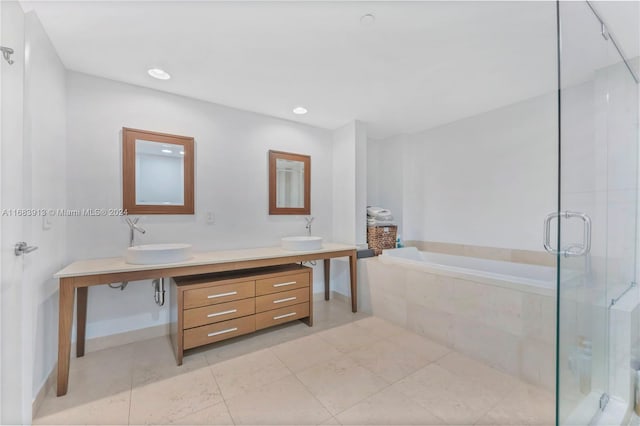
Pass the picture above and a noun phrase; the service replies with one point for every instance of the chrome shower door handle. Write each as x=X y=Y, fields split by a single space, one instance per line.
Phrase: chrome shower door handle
x=585 y=247
x=572 y=250
x=547 y=232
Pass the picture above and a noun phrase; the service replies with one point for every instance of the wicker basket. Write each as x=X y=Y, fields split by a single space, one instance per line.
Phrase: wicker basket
x=381 y=237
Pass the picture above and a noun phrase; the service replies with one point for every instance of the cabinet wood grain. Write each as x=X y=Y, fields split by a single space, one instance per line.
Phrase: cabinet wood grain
x=215 y=307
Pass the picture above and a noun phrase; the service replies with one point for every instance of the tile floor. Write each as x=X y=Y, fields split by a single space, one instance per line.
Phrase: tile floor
x=349 y=369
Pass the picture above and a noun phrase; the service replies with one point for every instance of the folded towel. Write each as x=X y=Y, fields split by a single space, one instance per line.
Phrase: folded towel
x=383 y=217
x=382 y=224
x=376 y=222
x=374 y=211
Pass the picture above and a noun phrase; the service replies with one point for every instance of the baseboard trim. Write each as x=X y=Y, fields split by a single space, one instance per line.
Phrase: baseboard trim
x=319 y=296
x=119 y=339
x=48 y=384
x=341 y=297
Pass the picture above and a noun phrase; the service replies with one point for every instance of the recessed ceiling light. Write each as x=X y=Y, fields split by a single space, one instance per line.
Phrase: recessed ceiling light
x=159 y=74
x=299 y=110
x=181 y=152
x=367 y=19
x=167 y=151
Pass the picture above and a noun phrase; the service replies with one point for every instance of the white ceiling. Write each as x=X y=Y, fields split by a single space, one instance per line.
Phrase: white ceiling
x=419 y=65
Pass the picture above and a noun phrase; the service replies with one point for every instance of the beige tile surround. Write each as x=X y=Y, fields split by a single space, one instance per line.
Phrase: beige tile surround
x=509 y=329
x=531 y=257
x=348 y=369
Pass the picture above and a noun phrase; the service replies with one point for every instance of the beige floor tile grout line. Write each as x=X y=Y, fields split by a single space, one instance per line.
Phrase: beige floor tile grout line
x=331 y=415
x=491 y=407
x=501 y=400
x=393 y=383
x=295 y=375
x=224 y=400
x=342 y=354
x=131 y=390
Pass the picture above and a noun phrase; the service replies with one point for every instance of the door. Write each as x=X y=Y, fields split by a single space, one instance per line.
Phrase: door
x=15 y=311
x=596 y=226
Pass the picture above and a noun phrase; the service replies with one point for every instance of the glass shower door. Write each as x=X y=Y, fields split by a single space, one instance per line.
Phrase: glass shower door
x=598 y=106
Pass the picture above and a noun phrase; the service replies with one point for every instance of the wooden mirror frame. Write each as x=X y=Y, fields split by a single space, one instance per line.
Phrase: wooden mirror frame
x=273 y=209
x=129 y=137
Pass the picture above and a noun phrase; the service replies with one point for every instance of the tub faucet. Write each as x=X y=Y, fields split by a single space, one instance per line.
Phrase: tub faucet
x=133 y=227
x=309 y=219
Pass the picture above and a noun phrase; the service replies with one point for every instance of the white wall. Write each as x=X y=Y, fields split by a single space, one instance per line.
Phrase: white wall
x=350 y=183
x=349 y=195
x=486 y=180
x=344 y=184
x=45 y=184
x=15 y=308
x=385 y=171
x=231 y=181
x=361 y=184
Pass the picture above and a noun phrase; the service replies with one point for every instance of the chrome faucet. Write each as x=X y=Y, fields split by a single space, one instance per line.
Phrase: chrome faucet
x=309 y=219
x=133 y=227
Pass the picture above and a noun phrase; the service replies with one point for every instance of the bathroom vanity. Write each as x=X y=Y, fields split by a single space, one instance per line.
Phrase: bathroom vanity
x=211 y=308
x=83 y=274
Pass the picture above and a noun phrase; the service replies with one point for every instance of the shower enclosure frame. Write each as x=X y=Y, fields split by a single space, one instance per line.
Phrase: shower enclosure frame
x=590 y=284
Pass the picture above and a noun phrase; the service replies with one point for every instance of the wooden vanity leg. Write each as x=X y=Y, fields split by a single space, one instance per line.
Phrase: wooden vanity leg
x=327 y=278
x=353 y=266
x=65 y=323
x=81 y=321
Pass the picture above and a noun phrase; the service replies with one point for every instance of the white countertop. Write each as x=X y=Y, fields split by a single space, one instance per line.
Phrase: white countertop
x=118 y=264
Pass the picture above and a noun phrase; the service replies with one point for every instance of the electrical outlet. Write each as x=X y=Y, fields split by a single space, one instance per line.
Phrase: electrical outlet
x=211 y=218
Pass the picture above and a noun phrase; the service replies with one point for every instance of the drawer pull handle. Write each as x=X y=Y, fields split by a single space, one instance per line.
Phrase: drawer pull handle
x=285 y=300
x=230 y=311
x=228 y=330
x=284 y=316
x=283 y=284
x=213 y=296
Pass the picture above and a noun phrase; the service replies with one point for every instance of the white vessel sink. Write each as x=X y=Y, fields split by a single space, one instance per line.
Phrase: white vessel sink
x=153 y=254
x=301 y=243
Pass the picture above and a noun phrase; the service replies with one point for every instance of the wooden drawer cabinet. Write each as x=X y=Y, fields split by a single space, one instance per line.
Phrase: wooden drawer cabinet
x=219 y=312
x=282 y=299
x=204 y=335
x=220 y=306
x=283 y=283
x=282 y=315
x=218 y=294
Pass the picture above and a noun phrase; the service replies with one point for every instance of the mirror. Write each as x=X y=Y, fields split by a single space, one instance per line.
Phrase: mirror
x=289 y=183
x=157 y=173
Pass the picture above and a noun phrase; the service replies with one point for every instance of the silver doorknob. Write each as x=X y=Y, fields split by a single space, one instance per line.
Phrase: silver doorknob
x=22 y=248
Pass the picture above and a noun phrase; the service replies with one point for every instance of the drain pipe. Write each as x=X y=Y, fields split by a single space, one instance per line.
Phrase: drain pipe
x=158 y=289
x=158 y=286
x=120 y=286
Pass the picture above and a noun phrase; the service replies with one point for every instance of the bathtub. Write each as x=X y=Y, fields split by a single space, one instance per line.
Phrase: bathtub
x=532 y=278
x=501 y=313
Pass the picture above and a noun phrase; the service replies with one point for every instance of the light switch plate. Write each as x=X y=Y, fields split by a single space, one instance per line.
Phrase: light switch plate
x=211 y=218
x=47 y=222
